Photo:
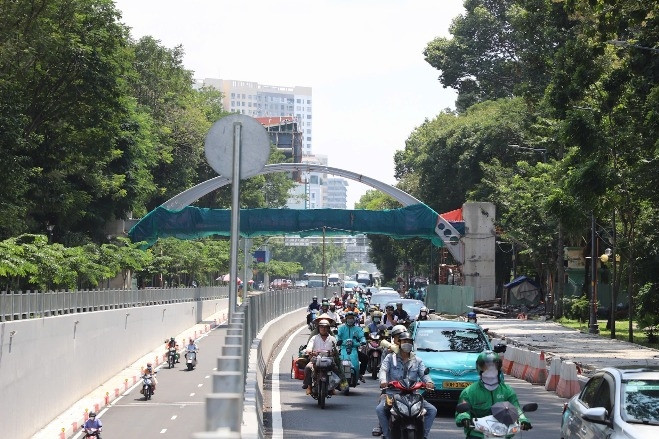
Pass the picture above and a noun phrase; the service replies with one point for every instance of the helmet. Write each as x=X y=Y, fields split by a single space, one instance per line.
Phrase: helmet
x=398 y=330
x=471 y=316
x=332 y=307
x=390 y=307
x=352 y=301
x=399 y=303
x=315 y=298
x=172 y=339
x=486 y=357
x=376 y=313
x=92 y=414
x=405 y=336
x=324 y=303
x=423 y=309
x=324 y=323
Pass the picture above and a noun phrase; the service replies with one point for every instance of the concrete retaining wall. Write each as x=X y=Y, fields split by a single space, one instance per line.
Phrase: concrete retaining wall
x=450 y=299
x=48 y=364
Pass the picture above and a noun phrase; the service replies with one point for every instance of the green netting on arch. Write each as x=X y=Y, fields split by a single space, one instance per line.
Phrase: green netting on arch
x=417 y=220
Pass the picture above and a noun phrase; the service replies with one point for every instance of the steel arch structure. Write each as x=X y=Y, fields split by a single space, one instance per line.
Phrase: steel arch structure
x=449 y=235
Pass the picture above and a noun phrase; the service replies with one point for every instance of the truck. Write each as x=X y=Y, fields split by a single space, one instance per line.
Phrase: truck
x=363 y=277
x=335 y=279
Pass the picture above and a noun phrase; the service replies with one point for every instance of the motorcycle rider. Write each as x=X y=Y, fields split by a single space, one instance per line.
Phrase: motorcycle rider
x=389 y=318
x=92 y=422
x=407 y=365
x=352 y=307
x=350 y=331
x=191 y=347
x=485 y=392
x=400 y=313
x=149 y=373
x=336 y=299
x=333 y=314
x=314 y=305
x=471 y=317
x=322 y=341
x=423 y=313
x=173 y=344
x=376 y=324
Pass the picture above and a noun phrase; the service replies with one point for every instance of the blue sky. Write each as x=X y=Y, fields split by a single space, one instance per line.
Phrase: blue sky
x=363 y=59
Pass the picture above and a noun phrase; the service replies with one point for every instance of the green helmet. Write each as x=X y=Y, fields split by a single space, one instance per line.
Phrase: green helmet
x=488 y=357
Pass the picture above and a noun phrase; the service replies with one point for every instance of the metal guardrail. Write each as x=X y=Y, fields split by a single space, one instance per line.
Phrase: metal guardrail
x=236 y=386
x=18 y=305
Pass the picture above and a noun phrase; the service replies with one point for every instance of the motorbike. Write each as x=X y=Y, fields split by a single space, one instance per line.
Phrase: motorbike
x=191 y=359
x=374 y=353
x=171 y=357
x=323 y=379
x=147 y=386
x=312 y=316
x=350 y=364
x=406 y=412
x=91 y=432
x=502 y=422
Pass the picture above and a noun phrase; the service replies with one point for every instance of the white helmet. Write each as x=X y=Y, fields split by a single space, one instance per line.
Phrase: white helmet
x=397 y=330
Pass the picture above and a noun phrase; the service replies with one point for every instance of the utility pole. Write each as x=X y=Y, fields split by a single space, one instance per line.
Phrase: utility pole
x=594 y=327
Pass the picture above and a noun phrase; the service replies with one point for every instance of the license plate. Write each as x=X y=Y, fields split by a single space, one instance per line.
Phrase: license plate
x=455 y=384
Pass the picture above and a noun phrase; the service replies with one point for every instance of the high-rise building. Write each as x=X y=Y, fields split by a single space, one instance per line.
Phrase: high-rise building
x=259 y=100
x=336 y=193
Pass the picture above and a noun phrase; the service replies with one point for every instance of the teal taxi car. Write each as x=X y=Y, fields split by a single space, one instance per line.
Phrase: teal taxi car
x=449 y=349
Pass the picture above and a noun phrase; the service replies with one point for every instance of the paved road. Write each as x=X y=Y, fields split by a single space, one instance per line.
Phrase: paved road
x=353 y=416
x=177 y=409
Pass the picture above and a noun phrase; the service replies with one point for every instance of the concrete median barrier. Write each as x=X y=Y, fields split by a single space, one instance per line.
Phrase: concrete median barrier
x=554 y=374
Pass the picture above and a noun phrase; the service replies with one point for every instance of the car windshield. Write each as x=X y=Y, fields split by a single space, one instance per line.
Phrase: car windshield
x=640 y=401
x=413 y=308
x=382 y=298
x=450 y=340
x=350 y=284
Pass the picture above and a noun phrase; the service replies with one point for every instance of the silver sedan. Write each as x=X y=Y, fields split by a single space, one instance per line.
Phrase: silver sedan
x=615 y=403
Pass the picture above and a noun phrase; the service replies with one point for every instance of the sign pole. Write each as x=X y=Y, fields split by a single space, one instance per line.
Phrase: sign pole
x=235 y=220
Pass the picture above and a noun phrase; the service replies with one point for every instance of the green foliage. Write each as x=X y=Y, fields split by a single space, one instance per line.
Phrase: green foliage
x=279 y=268
x=647 y=310
x=577 y=308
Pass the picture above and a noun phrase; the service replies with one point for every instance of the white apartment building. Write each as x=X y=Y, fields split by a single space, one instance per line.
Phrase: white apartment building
x=336 y=193
x=259 y=100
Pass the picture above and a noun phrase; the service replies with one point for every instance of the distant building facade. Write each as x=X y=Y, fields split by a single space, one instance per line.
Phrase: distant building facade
x=336 y=193
x=259 y=100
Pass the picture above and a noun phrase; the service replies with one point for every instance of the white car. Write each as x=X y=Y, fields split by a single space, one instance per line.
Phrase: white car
x=615 y=403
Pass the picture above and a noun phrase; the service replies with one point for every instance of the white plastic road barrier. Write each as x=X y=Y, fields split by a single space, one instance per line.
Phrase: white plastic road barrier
x=568 y=383
x=507 y=360
x=554 y=374
x=536 y=372
x=521 y=363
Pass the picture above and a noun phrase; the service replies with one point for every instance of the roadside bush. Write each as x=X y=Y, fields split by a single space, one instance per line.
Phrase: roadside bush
x=577 y=308
x=647 y=310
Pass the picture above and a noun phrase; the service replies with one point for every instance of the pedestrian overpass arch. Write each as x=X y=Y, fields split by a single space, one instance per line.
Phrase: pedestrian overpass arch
x=177 y=218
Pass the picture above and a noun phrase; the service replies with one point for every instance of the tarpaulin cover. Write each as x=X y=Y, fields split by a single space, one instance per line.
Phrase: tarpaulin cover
x=417 y=220
x=523 y=291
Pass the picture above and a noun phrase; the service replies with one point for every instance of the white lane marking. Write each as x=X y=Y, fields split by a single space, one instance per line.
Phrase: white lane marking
x=277 y=428
x=215 y=368
x=174 y=417
x=199 y=385
x=192 y=394
x=207 y=376
x=163 y=430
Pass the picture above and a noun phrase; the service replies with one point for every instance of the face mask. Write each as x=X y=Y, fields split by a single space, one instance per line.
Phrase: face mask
x=490 y=377
x=376 y=320
x=350 y=322
x=407 y=347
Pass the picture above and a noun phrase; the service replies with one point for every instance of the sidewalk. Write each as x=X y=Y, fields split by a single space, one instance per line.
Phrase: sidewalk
x=588 y=351
x=69 y=422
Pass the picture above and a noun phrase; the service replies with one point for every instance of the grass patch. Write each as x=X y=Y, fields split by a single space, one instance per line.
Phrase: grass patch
x=622 y=331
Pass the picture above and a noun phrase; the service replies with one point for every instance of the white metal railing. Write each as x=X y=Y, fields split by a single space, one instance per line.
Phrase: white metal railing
x=17 y=305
